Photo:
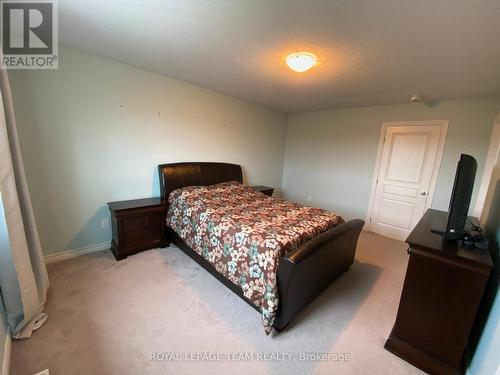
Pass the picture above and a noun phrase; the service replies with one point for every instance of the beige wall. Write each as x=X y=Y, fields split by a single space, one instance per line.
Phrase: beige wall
x=94 y=131
x=330 y=155
x=485 y=360
x=492 y=180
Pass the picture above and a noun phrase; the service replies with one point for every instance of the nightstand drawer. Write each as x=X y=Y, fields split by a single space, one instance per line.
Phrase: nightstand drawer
x=141 y=228
x=137 y=225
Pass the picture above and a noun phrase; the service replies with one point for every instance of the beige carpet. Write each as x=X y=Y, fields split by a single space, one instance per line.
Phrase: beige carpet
x=108 y=317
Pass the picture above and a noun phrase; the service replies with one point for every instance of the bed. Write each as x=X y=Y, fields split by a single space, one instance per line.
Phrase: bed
x=278 y=285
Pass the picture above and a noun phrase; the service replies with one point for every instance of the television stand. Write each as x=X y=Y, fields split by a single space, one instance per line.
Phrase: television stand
x=471 y=237
x=442 y=290
x=438 y=224
x=438 y=231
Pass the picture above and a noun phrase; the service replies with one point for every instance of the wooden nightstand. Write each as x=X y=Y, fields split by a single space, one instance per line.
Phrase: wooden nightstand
x=137 y=225
x=264 y=189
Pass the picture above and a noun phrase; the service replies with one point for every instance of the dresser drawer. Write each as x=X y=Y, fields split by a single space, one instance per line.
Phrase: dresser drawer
x=141 y=228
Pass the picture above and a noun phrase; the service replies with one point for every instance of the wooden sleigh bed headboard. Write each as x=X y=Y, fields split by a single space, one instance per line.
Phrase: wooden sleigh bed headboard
x=176 y=175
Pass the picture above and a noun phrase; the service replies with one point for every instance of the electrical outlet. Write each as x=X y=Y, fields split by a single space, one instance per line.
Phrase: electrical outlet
x=105 y=223
x=43 y=372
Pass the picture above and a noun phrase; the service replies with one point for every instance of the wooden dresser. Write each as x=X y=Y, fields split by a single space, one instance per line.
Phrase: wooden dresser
x=442 y=290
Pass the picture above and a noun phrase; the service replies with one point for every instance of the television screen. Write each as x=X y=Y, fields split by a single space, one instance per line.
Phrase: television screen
x=460 y=197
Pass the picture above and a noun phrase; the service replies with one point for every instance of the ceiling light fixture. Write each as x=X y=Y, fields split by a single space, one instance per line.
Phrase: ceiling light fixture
x=301 y=61
x=415 y=98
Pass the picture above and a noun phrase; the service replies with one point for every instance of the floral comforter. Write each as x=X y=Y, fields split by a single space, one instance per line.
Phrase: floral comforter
x=244 y=234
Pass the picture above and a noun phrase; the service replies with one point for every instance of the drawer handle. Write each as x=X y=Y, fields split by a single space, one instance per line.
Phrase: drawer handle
x=408 y=251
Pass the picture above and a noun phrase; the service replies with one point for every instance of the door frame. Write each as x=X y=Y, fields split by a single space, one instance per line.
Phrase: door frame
x=435 y=171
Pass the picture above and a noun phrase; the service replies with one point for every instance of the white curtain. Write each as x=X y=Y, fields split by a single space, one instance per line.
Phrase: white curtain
x=23 y=276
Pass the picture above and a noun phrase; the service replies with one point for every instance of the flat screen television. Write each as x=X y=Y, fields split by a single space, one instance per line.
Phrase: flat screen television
x=460 y=198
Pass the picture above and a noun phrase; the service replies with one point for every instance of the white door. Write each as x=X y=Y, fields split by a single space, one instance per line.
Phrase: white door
x=409 y=164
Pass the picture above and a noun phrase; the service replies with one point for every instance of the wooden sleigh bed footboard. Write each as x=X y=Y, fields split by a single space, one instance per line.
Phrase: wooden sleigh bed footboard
x=302 y=274
x=306 y=271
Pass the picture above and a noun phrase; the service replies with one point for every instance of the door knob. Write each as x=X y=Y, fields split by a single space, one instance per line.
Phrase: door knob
x=423 y=193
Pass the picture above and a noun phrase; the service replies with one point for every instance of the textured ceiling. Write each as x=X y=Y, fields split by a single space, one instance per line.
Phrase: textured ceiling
x=370 y=51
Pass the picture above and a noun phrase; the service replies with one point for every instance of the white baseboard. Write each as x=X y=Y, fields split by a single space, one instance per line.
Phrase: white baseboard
x=6 y=356
x=67 y=254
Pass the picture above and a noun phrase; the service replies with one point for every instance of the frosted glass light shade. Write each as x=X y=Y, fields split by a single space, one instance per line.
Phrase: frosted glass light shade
x=301 y=61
